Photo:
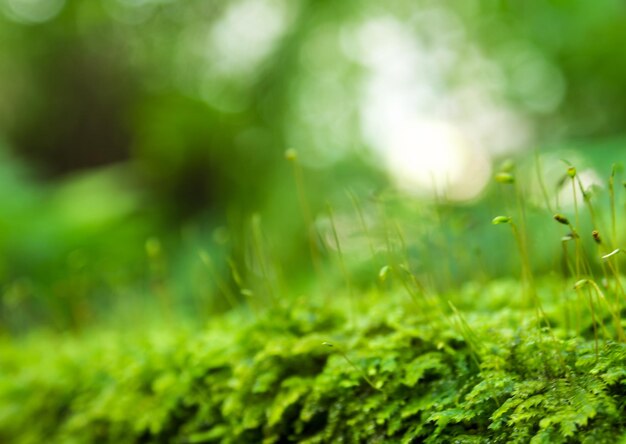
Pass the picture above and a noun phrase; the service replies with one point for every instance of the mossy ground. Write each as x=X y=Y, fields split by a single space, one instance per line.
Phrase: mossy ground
x=398 y=370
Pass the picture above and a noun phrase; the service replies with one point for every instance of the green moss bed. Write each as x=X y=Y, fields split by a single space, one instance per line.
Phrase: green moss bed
x=389 y=370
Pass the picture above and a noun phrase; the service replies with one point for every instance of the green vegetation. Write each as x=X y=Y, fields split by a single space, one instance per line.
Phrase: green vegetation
x=398 y=359
x=396 y=375
x=312 y=221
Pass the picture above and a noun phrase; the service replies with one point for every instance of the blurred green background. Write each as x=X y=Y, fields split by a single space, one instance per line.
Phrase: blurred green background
x=142 y=143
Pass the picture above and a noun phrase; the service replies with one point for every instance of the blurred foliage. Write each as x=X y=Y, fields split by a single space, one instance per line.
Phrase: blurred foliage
x=557 y=48
x=127 y=122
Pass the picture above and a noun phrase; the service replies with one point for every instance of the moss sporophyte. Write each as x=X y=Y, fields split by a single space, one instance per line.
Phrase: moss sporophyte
x=561 y=219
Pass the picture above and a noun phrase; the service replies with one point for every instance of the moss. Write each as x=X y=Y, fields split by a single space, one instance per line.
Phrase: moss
x=272 y=380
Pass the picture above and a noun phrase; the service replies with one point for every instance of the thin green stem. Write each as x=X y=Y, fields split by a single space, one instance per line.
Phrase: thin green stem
x=613 y=211
x=468 y=334
x=357 y=368
x=257 y=242
x=219 y=282
x=342 y=263
x=364 y=227
x=292 y=157
x=542 y=184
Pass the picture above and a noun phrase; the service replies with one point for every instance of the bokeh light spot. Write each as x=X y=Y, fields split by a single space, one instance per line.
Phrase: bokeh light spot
x=33 y=11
